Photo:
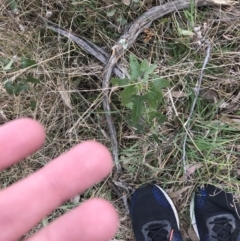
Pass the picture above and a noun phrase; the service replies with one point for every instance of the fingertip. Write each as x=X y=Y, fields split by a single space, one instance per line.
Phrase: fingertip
x=33 y=126
x=101 y=215
x=97 y=152
x=25 y=124
x=93 y=220
x=19 y=138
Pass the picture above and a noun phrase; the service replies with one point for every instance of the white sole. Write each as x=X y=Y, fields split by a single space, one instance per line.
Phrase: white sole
x=193 y=217
x=172 y=205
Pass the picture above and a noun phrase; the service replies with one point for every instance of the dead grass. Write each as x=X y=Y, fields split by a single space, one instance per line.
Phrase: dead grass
x=67 y=73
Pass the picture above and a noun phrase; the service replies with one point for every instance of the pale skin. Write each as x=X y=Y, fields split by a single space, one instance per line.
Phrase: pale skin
x=25 y=203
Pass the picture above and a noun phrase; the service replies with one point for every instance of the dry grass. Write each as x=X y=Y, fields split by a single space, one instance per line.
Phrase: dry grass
x=67 y=72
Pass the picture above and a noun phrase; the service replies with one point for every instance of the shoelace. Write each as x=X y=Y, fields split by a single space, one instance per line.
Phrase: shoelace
x=222 y=228
x=157 y=232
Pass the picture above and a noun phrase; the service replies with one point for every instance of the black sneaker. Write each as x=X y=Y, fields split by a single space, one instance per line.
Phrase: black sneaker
x=154 y=217
x=215 y=215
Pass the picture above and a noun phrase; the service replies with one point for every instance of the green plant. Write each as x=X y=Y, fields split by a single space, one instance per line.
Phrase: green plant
x=190 y=17
x=20 y=84
x=12 y=4
x=142 y=93
x=190 y=14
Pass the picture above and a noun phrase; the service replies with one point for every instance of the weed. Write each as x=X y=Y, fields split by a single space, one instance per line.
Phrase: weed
x=20 y=84
x=142 y=93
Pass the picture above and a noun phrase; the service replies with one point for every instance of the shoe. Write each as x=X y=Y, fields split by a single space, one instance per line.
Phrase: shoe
x=153 y=215
x=215 y=215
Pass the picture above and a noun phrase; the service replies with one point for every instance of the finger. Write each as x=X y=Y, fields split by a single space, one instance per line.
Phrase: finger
x=25 y=203
x=93 y=220
x=18 y=139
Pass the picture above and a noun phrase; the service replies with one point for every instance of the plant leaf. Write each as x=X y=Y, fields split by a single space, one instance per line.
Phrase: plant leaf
x=150 y=69
x=19 y=87
x=122 y=21
x=134 y=67
x=129 y=105
x=25 y=63
x=12 y=4
x=160 y=83
x=185 y=32
x=156 y=93
x=33 y=104
x=9 y=87
x=111 y=12
x=127 y=94
x=15 y=88
x=153 y=97
x=32 y=80
x=158 y=116
x=4 y=61
x=137 y=109
x=144 y=65
x=9 y=65
x=119 y=82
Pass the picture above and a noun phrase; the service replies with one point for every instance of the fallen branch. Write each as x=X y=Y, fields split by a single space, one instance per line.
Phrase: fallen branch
x=87 y=45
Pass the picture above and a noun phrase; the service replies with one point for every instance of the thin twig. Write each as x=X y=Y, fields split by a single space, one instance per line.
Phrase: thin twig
x=121 y=185
x=125 y=193
x=187 y=123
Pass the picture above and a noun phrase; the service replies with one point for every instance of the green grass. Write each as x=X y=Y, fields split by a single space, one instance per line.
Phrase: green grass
x=151 y=156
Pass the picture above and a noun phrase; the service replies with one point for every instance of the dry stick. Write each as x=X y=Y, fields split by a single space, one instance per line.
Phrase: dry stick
x=88 y=46
x=126 y=41
x=187 y=123
x=124 y=195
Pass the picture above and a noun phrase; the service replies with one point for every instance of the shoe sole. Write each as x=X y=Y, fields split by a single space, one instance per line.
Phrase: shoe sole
x=192 y=216
x=171 y=204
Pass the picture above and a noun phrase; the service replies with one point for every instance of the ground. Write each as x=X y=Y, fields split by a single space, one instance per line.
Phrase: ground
x=68 y=98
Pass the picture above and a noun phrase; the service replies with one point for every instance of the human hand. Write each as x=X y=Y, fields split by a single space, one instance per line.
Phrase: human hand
x=26 y=202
